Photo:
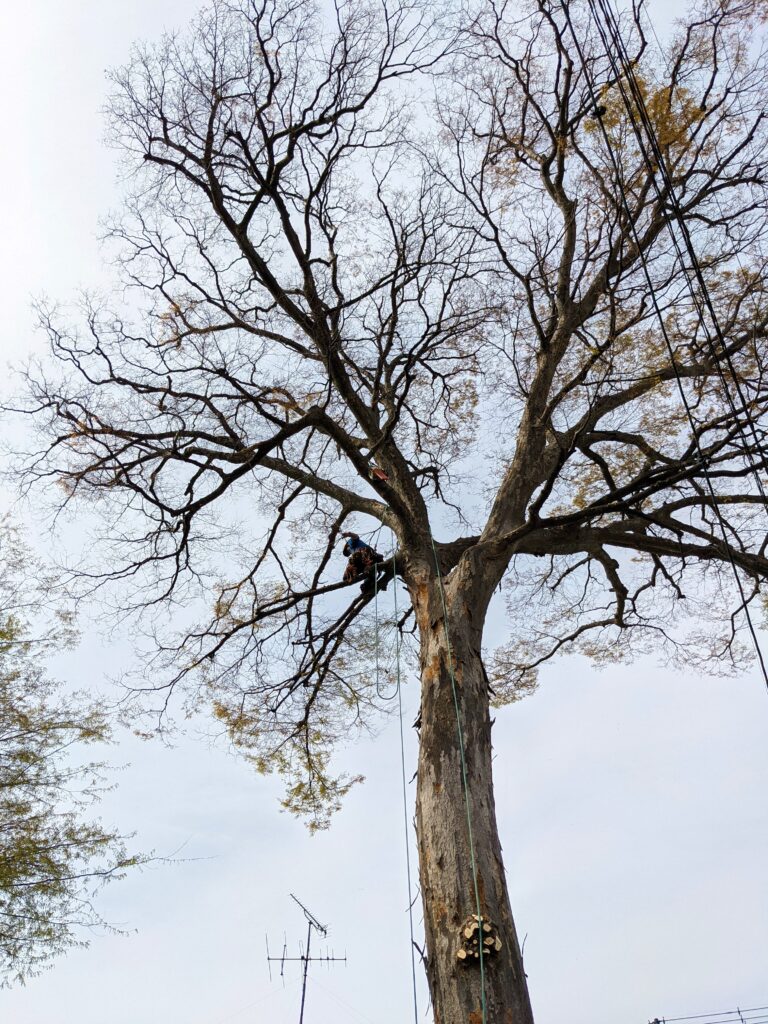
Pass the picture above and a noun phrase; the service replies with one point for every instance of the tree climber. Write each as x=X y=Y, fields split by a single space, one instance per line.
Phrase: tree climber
x=363 y=562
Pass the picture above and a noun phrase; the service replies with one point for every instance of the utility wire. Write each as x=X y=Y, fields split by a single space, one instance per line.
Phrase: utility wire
x=725 y=1014
x=735 y=1018
x=716 y=195
x=702 y=300
x=625 y=70
x=698 y=289
x=357 y=1014
x=641 y=255
x=740 y=1018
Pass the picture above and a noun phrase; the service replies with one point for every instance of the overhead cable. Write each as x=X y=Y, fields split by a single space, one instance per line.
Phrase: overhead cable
x=594 y=96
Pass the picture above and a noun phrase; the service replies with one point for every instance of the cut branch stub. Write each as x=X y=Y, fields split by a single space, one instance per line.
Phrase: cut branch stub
x=476 y=933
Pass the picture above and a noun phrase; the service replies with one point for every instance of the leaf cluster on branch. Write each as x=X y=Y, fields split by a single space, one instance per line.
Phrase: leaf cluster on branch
x=53 y=856
x=370 y=235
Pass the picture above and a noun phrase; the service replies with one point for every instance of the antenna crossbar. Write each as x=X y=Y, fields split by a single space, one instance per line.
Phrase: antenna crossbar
x=304 y=958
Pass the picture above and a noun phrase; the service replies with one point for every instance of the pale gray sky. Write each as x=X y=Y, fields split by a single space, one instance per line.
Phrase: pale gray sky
x=632 y=802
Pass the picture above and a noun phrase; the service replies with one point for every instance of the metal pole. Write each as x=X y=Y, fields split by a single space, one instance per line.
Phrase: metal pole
x=306 y=968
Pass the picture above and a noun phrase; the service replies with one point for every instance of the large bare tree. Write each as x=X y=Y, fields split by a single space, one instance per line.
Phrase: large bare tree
x=328 y=270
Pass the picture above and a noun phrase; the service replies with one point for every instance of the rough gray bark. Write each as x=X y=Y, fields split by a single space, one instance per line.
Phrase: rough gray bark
x=447 y=884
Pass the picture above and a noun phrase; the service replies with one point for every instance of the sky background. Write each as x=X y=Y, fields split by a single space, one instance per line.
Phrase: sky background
x=631 y=801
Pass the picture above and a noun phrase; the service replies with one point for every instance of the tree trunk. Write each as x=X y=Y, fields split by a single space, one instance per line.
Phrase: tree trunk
x=445 y=862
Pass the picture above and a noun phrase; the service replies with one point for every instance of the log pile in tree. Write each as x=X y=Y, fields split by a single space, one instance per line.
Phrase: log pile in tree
x=476 y=933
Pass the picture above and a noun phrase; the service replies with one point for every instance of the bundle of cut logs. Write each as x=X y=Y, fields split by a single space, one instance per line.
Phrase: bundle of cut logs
x=477 y=933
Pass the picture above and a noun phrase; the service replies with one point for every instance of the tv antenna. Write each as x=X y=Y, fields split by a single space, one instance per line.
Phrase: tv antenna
x=304 y=957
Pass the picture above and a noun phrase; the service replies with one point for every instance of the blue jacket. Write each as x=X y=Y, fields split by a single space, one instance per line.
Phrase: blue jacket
x=355 y=544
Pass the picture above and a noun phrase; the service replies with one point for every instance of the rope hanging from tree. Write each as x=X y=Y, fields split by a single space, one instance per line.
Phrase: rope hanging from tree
x=398 y=694
x=482 y=953
x=623 y=71
x=464 y=779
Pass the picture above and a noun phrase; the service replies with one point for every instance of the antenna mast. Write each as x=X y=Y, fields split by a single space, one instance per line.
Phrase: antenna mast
x=304 y=958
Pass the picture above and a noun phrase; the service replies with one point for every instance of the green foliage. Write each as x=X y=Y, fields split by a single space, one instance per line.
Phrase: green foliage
x=52 y=858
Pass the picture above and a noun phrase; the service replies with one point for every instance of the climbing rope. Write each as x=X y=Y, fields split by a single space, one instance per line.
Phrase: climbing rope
x=379 y=694
x=464 y=774
x=465 y=783
x=399 y=695
x=405 y=793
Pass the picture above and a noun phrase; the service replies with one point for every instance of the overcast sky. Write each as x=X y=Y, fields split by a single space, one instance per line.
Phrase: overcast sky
x=632 y=802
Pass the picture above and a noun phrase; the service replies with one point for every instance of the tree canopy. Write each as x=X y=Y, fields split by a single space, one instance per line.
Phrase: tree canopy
x=53 y=857
x=511 y=266
x=331 y=264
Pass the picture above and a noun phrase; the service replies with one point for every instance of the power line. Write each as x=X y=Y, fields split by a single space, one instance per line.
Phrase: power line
x=358 y=1014
x=723 y=1016
x=703 y=300
x=251 y=1006
x=627 y=71
x=641 y=256
x=716 y=195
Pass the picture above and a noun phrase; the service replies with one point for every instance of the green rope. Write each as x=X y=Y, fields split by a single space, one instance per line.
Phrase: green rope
x=463 y=777
x=405 y=792
x=376 y=625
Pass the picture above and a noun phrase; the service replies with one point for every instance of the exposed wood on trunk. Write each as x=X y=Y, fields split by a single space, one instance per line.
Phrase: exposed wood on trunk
x=443 y=836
